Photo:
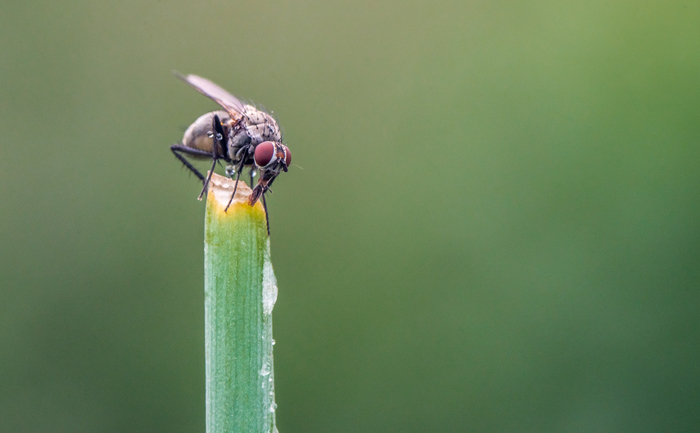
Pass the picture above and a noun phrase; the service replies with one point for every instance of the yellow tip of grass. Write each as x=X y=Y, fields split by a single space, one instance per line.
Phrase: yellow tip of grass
x=219 y=194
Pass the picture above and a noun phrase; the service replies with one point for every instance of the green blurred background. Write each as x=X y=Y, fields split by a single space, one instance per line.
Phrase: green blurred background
x=496 y=228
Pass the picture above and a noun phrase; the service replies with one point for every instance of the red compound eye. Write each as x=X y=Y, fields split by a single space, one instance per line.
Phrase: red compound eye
x=264 y=153
x=288 y=158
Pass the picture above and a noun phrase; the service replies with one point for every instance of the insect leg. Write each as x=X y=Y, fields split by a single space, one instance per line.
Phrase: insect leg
x=216 y=152
x=267 y=218
x=219 y=130
x=235 y=186
x=178 y=148
x=269 y=184
x=206 y=182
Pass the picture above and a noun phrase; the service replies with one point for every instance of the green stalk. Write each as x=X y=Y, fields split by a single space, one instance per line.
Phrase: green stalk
x=240 y=291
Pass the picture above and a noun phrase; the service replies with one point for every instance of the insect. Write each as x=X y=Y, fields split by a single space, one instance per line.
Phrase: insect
x=240 y=135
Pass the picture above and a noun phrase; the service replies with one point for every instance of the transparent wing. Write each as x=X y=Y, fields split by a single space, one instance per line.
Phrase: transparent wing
x=211 y=90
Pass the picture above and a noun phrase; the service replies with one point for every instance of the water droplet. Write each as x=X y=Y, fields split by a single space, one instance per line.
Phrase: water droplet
x=230 y=170
x=273 y=341
x=210 y=134
x=265 y=370
x=253 y=173
x=273 y=406
x=269 y=291
x=219 y=137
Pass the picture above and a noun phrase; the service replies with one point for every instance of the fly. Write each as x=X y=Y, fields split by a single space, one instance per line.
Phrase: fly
x=241 y=135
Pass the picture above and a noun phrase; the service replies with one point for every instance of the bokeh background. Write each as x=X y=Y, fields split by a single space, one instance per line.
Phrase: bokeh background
x=493 y=226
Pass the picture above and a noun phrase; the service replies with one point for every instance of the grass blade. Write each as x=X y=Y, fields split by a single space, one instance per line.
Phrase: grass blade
x=240 y=292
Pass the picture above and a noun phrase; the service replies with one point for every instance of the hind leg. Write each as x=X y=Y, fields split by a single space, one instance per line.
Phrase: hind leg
x=180 y=151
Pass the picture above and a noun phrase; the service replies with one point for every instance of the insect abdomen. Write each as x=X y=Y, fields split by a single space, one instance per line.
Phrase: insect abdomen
x=197 y=135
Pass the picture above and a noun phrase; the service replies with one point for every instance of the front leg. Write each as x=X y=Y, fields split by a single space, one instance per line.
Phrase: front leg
x=252 y=175
x=245 y=151
x=267 y=218
x=235 y=185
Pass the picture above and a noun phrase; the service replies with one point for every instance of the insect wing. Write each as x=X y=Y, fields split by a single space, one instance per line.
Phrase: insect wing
x=213 y=91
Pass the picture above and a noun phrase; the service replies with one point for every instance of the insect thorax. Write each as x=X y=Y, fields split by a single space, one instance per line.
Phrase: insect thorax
x=255 y=127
